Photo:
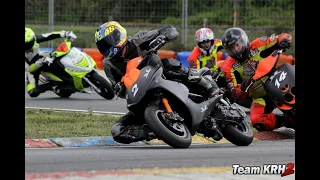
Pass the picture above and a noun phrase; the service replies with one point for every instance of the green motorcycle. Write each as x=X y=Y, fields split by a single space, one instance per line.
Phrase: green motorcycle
x=73 y=71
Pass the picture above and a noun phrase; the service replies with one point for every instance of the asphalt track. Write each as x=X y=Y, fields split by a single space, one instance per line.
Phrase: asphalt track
x=41 y=160
x=81 y=101
x=127 y=157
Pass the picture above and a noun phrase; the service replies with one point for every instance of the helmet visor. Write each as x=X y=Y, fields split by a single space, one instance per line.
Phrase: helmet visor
x=111 y=52
x=111 y=44
x=108 y=41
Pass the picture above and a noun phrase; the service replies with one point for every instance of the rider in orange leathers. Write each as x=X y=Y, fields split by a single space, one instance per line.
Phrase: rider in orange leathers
x=243 y=58
x=205 y=52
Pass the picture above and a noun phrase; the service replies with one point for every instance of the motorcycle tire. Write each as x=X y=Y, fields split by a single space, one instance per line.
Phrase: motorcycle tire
x=104 y=85
x=63 y=94
x=237 y=136
x=151 y=116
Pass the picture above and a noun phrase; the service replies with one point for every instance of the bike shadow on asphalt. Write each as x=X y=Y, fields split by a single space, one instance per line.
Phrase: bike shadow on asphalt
x=63 y=99
x=193 y=146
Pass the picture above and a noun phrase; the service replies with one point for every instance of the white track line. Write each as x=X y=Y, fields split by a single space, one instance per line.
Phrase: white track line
x=77 y=110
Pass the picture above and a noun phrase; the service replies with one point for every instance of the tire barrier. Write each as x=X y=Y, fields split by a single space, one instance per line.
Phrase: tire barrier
x=95 y=54
x=180 y=56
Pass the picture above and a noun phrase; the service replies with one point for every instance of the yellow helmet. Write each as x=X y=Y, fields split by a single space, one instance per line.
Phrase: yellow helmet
x=110 y=38
x=30 y=39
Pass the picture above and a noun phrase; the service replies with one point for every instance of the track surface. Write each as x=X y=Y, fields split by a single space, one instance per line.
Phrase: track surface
x=80 y=101
x=124 y=157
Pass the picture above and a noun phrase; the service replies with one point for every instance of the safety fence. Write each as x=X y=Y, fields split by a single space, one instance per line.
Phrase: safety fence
x=257 y=17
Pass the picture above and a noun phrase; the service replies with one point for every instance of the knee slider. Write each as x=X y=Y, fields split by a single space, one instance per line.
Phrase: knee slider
x=116 y=129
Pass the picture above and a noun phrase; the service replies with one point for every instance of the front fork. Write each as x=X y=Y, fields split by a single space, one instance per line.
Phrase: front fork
x=91 y=84
x=168 y=108
x=169 y=113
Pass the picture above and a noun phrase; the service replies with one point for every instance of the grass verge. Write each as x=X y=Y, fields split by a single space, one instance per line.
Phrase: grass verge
x=59 y=124
x=55 y=124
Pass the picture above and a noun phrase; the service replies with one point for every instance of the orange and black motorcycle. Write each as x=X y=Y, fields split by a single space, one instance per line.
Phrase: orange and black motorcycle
x=276 y=82
x=175 y=113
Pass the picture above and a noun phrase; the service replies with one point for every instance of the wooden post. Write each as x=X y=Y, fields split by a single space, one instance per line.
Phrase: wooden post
x=234 y=18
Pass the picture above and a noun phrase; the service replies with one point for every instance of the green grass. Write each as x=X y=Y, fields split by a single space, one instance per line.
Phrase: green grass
x=59 y=124
x=53 y=124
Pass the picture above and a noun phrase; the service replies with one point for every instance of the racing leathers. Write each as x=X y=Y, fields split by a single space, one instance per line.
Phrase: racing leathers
x=261 y=109
x=199 y=58
x=128 y=128
x=35 y=61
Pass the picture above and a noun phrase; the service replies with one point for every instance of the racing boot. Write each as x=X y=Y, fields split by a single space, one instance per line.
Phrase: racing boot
x=280 y=120
x=35 y=90
x=132 y=133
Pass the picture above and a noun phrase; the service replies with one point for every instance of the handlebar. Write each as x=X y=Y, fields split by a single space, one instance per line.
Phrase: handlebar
x=153 y=50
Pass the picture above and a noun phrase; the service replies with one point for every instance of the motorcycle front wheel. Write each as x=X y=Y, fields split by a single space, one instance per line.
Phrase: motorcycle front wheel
x=104 y=85
x=238 y=134
x=175 y=134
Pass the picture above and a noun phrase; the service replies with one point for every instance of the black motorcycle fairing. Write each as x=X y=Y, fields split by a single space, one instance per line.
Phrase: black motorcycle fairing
x=198 y=111
x=281 y=83
x=151 y=78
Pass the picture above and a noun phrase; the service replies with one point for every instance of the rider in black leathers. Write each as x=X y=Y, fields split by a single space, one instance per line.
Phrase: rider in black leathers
x=113 y=43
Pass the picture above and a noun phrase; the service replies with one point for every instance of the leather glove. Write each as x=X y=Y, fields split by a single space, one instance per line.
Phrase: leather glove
x=237 y=93
x=285 y=43
x=68 y=34
x=119 y=89
x=161 y=39
x=45 y=60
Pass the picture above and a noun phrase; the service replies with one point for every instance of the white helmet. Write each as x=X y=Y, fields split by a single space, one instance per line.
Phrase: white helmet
x=202 y=35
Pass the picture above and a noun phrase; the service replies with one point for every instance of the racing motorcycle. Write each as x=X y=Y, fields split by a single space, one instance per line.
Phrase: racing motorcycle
x=74 y=71
x=276 y=82
x=174 y=113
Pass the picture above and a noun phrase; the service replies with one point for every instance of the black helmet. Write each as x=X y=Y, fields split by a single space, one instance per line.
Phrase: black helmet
x=236 y=43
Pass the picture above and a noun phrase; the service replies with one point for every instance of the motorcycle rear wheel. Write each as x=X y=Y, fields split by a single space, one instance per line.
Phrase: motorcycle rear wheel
x=180 y=139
